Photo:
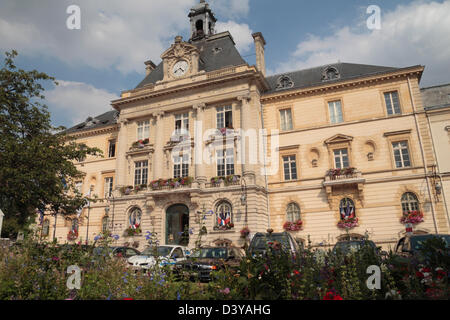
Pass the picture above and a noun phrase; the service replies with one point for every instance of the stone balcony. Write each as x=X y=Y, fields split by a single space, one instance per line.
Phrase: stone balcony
x=350 y=180
x=354 y=177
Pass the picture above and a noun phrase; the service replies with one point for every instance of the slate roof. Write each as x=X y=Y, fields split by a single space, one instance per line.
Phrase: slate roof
x=313 y=76
x=103 y=120
x=217 y=52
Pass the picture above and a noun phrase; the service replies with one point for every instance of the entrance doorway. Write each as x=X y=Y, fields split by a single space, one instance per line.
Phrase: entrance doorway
x=177 y=225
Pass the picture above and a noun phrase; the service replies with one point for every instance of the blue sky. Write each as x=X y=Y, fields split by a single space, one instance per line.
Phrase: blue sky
x=105 y=57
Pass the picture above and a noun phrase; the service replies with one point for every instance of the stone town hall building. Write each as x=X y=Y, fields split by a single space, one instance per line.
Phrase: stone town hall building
x=198 y=116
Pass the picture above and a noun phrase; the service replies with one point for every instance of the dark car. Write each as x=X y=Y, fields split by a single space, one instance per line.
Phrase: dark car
x=202 y=261
x=346 y=247
x=411 y=246
x=263 y=241
x=118 y=252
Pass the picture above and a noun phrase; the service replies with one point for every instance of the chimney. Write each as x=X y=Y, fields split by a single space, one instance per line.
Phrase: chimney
x=149 y=67
x=259 y=49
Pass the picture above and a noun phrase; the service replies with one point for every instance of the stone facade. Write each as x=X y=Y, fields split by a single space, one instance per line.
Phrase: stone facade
x=205 y=83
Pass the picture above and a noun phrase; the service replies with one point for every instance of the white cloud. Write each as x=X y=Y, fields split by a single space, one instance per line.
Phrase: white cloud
x=114 y=33
x=230 y=9
x=412 y=34
x=242 y=34
x=77 y=101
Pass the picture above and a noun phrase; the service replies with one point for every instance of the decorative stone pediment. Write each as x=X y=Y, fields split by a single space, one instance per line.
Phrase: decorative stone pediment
x=339 y=138
x=180 y=52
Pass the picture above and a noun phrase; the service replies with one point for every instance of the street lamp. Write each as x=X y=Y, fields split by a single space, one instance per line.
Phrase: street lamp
x=89 y=212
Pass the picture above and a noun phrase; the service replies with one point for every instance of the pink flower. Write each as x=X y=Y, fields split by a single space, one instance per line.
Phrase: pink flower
x=225 y=291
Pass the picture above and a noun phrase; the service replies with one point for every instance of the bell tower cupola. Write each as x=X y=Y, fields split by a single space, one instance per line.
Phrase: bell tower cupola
x=202 y=20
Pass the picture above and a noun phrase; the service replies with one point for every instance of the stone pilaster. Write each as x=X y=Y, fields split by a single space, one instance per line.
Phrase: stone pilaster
x=122 y=147
x=248 y=171
x=199 y=166
x=158 y=159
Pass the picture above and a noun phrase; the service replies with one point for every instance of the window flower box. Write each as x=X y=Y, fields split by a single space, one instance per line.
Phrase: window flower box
x=72 y=235
x=413 y=217
x=171 y=183
x=133 y=230
x=140 y=188
x=126 y=190
x=348 y=223
x=333 y=173
x=293 y=226
x=228 y=180
x=228 y=226
x=140 y=143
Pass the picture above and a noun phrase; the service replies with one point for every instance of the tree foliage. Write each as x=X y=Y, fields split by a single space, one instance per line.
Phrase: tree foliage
x=37 y=170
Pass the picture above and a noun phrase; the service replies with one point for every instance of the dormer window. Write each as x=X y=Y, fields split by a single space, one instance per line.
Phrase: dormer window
x=330 y=73
x=284 y=82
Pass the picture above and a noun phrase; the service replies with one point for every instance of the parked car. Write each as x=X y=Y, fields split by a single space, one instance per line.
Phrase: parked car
x=346 y=247
x=166 y=255
x=203 y=261
x=262 y=241
x=117 y=252
x=410 y=246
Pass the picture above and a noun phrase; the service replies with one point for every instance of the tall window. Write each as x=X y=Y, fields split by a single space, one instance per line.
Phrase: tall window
x=293 y=212
x=182 y=123
x=225 y=162
x=341 y=158
x=223 y=214
x=105 y=224
x=181 y=166
x=392 y=103
x=140 y=173
x=143 y=130
x=401 y=154
x=335 y=110
x=347 y=209
x=286 y=119
x=109 y=186
x=46 y=227
x=290 y=168
x=224 y=117
x=410 y=202
x=112 y=149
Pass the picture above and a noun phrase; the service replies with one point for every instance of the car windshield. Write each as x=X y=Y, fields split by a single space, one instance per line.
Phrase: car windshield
x=101 y=250
x=261 y=242
x=418 y=241
x=353 y=245
x=161 y=251
x=212 y=253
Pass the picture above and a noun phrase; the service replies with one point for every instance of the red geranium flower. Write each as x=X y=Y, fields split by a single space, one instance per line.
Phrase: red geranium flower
x=331 y=295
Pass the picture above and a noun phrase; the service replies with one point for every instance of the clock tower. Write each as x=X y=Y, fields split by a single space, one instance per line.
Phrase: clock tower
x=202 y=20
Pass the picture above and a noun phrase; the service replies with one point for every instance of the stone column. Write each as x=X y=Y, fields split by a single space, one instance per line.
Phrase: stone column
x=199 y=166
x=158 y=159
x=122 y=148
x=248 y=171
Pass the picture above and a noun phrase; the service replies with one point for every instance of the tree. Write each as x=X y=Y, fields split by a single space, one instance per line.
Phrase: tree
x=37 y=170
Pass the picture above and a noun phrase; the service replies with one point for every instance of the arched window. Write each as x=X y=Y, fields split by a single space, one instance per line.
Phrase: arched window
x=410 y=202
x=46 y=227
x=75 y=225
x=347 y=209
x=105 y=224
x=199 y=26
x=224 y=214
x=135 y=218
x=330 y=73
x=293 y=212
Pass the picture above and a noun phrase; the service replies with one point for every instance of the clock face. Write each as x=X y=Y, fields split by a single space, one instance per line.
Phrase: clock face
x=180 y=68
